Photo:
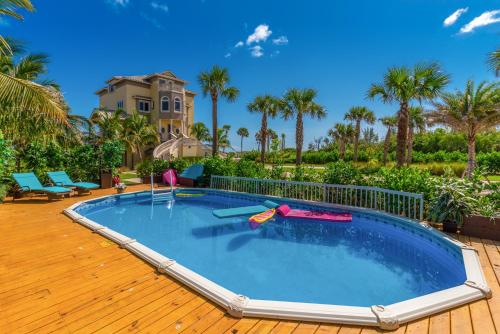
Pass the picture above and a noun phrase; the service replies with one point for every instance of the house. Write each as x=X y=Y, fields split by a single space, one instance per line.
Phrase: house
x=164 y=99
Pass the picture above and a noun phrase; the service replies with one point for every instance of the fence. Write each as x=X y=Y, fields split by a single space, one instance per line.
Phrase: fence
x=401 y=203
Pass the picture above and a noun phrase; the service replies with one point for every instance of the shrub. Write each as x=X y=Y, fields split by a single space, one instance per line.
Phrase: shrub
x=111 y=154
x=490 y=161
x=7 y=161
x=218 y=166
x=179 y=164
x=341 y=172
x=83 y=163
x=403 y=179
x=251 y=155
x=306 y=174
x=247 y=168
x=145 y=168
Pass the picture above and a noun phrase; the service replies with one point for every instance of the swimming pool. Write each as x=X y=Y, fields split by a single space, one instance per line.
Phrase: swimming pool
x=289 y=268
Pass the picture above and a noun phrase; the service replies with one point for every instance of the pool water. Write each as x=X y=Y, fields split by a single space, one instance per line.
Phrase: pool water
x=372 y=260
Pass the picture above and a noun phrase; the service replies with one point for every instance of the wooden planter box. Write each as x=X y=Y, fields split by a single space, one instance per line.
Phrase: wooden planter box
x=481 y=227
x=106 y=180
x=147 y=180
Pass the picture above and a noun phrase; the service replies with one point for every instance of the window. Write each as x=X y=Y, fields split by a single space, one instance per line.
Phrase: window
x=177 y=104
x=119 y=104
x=165 y=104
x=162 y=82
x=111 y=88
x=143 y=106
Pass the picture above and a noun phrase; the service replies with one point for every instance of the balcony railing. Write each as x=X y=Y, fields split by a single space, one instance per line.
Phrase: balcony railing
x=406 y=204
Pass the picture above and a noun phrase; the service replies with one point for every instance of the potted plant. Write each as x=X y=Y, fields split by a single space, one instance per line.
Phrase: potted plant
x=111 y=157
x=484 y=222
x=453 y=201
x=119 y=186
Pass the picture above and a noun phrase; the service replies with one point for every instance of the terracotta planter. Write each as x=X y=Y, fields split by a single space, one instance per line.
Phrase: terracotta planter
x=481 y=227
x=106 y=180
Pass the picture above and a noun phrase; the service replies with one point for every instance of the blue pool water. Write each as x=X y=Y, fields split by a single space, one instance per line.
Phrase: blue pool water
x=372 y=260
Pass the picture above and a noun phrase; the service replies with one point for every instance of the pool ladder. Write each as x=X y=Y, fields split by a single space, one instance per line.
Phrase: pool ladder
x=163 y=196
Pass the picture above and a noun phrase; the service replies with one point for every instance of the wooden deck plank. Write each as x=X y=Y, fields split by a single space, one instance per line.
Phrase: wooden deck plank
x=63 y=277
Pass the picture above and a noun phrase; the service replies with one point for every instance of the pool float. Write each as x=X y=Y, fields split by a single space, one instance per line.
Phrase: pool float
x=169 y=177
x=285 y=211
x=244 y=210
x=263 y=216
x=189 y=194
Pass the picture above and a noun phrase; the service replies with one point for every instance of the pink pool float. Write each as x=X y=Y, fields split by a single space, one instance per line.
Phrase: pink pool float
x=169 y=177
x=285 y=211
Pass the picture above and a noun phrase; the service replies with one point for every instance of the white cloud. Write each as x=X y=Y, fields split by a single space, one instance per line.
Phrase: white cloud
x=121 y=3
x=257 y=51
x=239 y=44
x=282 y=40
x=227 y=55
x=482 y=20
x=261 y=33
x=450 y=20
x=159 y=6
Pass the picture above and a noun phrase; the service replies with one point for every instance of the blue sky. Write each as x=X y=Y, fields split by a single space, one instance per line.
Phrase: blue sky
x=336 y=47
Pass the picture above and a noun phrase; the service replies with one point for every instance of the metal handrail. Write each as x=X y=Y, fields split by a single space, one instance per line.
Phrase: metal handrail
x=402 y=203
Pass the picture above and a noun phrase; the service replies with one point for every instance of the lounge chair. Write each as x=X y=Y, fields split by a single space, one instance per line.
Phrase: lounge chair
x=62 y=179
x=29 y=183
x=190 y=176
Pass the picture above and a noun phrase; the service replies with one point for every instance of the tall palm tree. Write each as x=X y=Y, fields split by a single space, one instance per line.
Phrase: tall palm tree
x=268 y=106
x=223 y=135
x=357 y=115
x=299 y=103
x=474 y=110
x=390 y=122
x=494 y=61
x=243 y=133
x=137 y=133
x=342 y=133
x=111 y=123
x=19 y=95
x=215 y=83
x=200 y=131
x=283 y=143
x=416 y=122
x=423 y=82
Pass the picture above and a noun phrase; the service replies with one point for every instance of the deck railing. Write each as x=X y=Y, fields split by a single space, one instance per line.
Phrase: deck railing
x=410 y=205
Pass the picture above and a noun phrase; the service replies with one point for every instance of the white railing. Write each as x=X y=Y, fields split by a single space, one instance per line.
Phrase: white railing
x=400 y=203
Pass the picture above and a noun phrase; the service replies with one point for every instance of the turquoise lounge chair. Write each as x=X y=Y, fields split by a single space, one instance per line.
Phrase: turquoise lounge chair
x=62 y=179
x=29 y=183
x=190 y=175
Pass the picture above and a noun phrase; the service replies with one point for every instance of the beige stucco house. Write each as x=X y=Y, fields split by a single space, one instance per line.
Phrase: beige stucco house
x=164 y=99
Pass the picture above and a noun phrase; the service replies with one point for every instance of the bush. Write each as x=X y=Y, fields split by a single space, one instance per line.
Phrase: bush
x=247 y=168
x=341 y=172
x=306 y=174
x=403 y=179
x=489 y=161
x=7 y=161
x=111 y=154
x=251 y=155
x=83 y=163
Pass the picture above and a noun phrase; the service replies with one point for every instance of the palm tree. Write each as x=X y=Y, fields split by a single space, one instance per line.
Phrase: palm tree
x=357 y=115
x=389 y=122
x=494 y=61
x=223 y=135
x=369 y=136
x=299 y=103
x=283 y=137
x=342 y=133
x=270 y=135
x=472 y=111
x=243 y=133
x=138 y=132
x=19 y=95
x=416 y=122
x=268 y=106
x=423 y=82
x=215 y=82
x=200 y=131
x=110 y=123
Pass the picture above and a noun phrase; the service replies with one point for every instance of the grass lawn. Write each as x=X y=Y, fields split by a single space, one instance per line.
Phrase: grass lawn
x=127 y=177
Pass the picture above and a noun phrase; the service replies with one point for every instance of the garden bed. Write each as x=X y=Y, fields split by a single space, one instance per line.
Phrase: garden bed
x=481 y=227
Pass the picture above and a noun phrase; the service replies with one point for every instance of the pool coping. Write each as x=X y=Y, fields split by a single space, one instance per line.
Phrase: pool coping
x=384 y=316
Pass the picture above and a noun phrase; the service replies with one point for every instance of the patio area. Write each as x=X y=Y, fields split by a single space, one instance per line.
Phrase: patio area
x=57 y=276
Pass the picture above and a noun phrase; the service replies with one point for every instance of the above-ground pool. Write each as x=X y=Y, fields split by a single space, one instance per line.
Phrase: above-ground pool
x=376 y=259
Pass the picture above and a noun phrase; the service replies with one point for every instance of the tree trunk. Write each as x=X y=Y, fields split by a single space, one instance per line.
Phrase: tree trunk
x=215 y=139
x=402 y=134
x=356 y=140
x=341 y=149
x=299 y=138
x=263 y=136
x=410 y=146
x=471 y=152
x=387 y=143
x=241 y=146
x=132 y=160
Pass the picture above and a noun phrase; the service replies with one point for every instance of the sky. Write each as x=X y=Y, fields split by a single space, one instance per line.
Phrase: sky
x=336 y=47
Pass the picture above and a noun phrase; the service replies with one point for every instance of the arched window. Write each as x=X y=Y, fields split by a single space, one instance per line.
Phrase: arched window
x=177 y=104
x=165 y=104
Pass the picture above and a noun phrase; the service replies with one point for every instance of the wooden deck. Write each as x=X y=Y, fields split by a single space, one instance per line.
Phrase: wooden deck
x=57 y=276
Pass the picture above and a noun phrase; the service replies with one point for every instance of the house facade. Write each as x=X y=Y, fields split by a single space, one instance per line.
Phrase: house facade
x=163 y=99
